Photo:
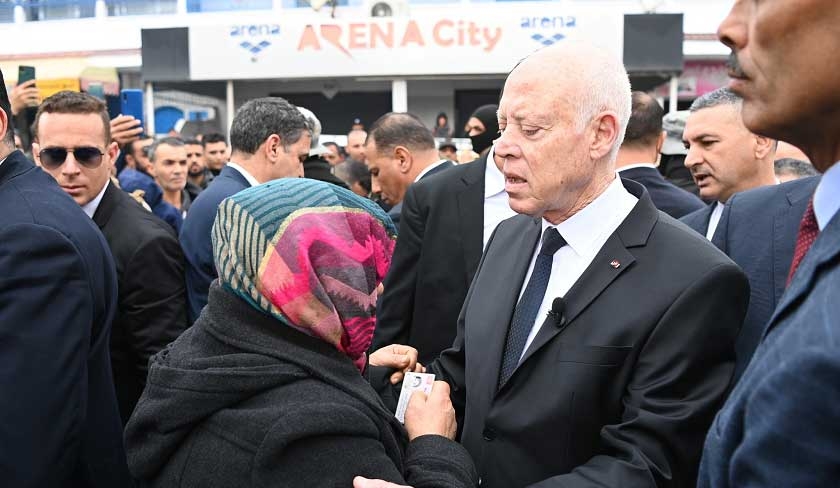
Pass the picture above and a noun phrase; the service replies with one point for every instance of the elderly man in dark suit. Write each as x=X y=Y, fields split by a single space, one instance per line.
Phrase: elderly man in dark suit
x=781 y=424
x=269 y=139
x=60 y=422
x=642 y=144
x=446 y=221
x=151 y=307
x=596 y=341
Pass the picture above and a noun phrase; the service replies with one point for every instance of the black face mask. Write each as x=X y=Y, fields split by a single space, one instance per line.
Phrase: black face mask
x=482 y=141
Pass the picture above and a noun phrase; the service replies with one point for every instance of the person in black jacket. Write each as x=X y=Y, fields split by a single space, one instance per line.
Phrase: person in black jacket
x=60 y=424
x=267 y=387
x=637 y=158
x=151 y=310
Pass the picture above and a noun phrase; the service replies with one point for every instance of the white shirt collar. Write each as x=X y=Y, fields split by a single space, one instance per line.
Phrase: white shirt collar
x=91 y=206
x=827 y=196
x=248 y=176
x=638 y=165
x=494 y=180
x=429 y=168
x=2 y=161
x=714 y=220
x=583 y=229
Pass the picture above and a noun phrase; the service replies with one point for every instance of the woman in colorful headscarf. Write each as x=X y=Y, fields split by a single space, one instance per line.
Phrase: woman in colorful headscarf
x=267 y=387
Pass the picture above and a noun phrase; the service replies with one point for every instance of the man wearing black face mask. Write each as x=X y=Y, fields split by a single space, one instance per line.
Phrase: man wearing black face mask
x=482 y=128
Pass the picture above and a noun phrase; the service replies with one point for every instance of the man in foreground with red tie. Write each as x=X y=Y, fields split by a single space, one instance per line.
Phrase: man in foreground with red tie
x=781 y=424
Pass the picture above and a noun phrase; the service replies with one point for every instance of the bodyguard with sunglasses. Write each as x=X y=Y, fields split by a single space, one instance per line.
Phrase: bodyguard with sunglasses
x=73 y=144
x=60 y=423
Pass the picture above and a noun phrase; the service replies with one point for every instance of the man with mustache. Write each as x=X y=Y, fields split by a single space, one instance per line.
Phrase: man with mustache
x=781 y=424
x=169 y=164
x=724 y=157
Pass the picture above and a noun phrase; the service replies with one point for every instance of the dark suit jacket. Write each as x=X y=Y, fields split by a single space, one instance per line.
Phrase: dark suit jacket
x=152 y=302
x=758 y=230
x=436 y=256
x=622 y=393
x=396 y=210
x=318 y=169
x=699 y=219
x=667 y=196
x=60 y=423
x=195 y=237
x=781 y=424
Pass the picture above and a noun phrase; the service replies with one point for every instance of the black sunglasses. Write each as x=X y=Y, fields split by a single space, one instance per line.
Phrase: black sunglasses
x=54 y=157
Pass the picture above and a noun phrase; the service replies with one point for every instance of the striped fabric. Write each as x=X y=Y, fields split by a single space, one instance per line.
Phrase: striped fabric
x=308 y=253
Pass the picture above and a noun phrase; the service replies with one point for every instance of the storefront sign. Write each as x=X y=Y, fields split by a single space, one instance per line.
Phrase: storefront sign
x=423 y=44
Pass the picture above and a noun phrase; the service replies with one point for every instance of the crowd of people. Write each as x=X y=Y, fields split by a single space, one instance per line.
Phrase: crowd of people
x=242 y=310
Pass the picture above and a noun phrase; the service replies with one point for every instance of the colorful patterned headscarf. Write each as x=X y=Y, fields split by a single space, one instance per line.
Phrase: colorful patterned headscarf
x=308 y=253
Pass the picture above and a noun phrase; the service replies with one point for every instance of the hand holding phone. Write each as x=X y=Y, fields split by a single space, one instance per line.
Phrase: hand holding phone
x=131 y=103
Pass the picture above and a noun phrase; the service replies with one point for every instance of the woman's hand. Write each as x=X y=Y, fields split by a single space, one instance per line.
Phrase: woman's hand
x=431 y=415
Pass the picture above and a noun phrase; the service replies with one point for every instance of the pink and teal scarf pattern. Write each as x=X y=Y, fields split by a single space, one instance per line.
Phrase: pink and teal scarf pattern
x=308 y=253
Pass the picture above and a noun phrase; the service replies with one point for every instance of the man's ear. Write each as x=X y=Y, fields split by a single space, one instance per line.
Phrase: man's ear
x=763 y=146
x=36 y=152
x=404 y=159
x=272 y=147
x=605 y=127
x=112 y=152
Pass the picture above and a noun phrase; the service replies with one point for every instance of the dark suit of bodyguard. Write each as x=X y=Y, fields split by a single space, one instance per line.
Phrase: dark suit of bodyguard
x=61 y=426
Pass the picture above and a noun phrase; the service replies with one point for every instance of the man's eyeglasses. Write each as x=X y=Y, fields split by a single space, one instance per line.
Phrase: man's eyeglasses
x=54 y=157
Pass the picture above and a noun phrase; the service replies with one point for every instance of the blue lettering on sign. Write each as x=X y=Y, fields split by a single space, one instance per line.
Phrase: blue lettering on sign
x=256 y=35
x=548 y=27
x=255 y=30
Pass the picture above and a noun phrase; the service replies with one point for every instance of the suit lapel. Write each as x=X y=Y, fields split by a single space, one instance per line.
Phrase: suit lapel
x=824 y=249
x=609 y=263
x=106 y=206
x=471 y=216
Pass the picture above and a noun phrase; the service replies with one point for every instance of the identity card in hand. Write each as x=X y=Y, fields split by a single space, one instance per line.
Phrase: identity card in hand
x=411 y=383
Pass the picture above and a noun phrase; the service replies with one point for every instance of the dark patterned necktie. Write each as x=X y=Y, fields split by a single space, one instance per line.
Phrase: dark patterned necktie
x=808 y=232
x=526 y=310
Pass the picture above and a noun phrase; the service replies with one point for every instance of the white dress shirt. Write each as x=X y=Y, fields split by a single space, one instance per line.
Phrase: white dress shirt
x=827 y=196
x=248 y=176
x=429 y=168
x=91 y=206
x=496 y=202
x=637 y=165
x=714 y=220
x=585 y=232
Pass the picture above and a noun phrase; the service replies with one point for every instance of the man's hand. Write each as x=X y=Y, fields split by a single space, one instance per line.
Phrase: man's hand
x=125 y=129
x=431 y=415
x=359 y=482
x=24 y=95
x=399 y=357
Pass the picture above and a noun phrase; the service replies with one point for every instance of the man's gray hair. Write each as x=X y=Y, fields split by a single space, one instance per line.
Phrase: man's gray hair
x=602 y=84
x=796 y=167
x=313 y=124
x=166 y=141
x=721 y=96
x=258 y=119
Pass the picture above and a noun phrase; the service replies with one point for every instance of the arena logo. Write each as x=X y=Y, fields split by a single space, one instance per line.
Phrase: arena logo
x=548 y=30
x=254 y=38
x=390 y=35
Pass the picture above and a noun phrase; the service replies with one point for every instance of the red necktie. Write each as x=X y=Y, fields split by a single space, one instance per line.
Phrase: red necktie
x=808 y=232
